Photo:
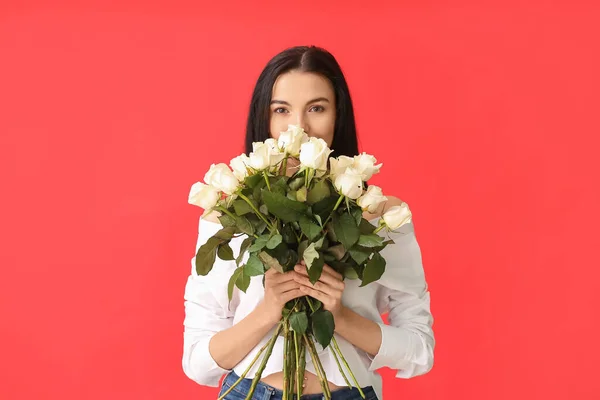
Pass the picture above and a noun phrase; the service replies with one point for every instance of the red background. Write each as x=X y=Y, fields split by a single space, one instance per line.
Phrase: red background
x=484 y=115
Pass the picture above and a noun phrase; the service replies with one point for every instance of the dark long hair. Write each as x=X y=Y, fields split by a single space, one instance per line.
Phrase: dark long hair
x=305 y=59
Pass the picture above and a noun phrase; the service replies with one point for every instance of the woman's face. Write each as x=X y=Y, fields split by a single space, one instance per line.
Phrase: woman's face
x=305 y=99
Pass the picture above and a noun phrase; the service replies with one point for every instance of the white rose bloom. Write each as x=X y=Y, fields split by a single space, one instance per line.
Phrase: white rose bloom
x=314 y=154
x=397 y=216
x=239 y=165
x=259 y=159
x=371 y=200
x=291 y=140
x=349 y=183
x=275 y=154
x=338 y=165
x=221 y=177
x=204 y=196
x=365 y=164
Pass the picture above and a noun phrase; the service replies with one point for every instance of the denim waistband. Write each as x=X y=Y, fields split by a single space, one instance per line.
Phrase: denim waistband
x=267 y=392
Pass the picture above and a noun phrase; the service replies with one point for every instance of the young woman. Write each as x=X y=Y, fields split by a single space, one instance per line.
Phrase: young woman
x=305 y=86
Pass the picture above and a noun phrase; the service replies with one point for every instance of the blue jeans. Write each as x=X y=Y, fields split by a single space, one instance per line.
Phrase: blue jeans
x=266 y=392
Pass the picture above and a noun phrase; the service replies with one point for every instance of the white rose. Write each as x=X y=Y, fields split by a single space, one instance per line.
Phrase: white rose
x=397 y=216
x=291 y=140
x=365 y=165
x=349 y=183
x=314 y=154
x=371 y=200
x=259 y=159
x=204 y=196
x=275 y=154
x=239 y=165
x=264 y=155
x=338 y=165
x=221 y=177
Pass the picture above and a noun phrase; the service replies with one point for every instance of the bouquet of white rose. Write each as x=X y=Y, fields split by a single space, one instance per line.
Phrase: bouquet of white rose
x=314 y=215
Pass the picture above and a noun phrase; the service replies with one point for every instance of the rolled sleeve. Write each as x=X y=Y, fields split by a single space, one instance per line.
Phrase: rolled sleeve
x=207 y=312
x=408 y=342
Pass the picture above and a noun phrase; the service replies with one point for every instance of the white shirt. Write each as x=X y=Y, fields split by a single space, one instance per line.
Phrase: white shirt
x=407 y=342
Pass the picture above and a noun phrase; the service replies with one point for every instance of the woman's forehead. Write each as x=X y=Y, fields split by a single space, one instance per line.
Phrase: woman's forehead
x=301 y=87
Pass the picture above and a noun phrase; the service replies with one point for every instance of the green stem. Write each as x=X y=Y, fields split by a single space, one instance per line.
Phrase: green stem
x=337 y=348
x=292 y=365
x=337 y=361
x=246 y=371
x=226 y=211
x=380 y=227
x=263 y=363
x=285 y=165
x=298 y=372
x=267 y=180
x=339 y=201
x=247 y=200
x=286 y=361
x=315 y=359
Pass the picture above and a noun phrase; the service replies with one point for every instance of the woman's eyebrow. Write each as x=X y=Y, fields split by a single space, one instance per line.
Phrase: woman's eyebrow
x=310 y=102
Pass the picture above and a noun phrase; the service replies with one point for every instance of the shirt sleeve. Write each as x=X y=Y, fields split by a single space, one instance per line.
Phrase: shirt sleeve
x=207 y=312
x=408 y=341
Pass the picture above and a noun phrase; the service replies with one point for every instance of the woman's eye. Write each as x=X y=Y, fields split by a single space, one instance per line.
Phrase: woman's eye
x=317 y=108
x=279 y=110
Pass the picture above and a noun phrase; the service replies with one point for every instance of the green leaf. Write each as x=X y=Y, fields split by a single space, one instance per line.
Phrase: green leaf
x=370 y=240
x=299 y=322
x=319 y=191
x=242 y=282
x=241 y=207
x=301 y=194
x=254 y=266
x=259 y=243
x=373 y=270
x=350 y=273
x=270 y=262
x=324 y=207
x=310 y=254
x=227 y=221
x=225 y=252
x=309 y=228
x=318 y=218
x=316 y=304
x=253 y=180
x=263 y=209
x=232 y=280
x=244 y=225
x=346 y=230
x=296 y=183
x=357 y=213
x=302 y=246
x=205 y=257
x=225 y=233
x=289 y=234
x=359 y=255
x=323 y=327
x=274 y=241
x=366 y=227
x=314 y=272
x=282 y=207
x=279 y=185
x=245 y=244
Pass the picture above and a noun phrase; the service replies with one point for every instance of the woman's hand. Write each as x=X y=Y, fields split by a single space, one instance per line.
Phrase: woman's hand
x=328 y=289
x=279 y=289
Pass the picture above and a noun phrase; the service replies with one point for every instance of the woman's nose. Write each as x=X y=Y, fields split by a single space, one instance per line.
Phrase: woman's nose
x=302 y=123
